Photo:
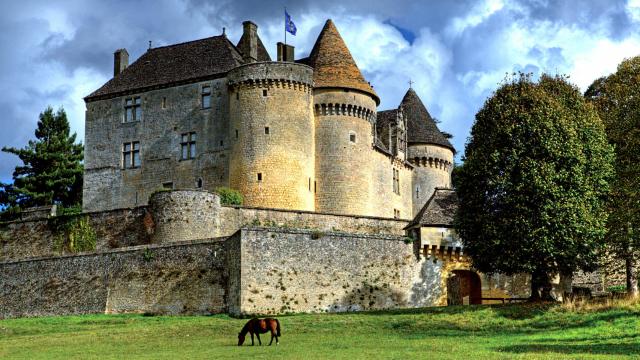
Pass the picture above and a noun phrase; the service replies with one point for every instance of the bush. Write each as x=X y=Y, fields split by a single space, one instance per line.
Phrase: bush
x=229 y=196
x=617 y=289
x=75 y=235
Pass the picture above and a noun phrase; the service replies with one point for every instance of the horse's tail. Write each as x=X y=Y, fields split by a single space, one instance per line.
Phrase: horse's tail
x=278 y=328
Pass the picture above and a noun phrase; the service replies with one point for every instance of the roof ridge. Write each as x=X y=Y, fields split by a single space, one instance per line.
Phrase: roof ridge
x=186 y=42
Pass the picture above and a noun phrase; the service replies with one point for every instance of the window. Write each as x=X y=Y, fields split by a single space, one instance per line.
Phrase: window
x=396 y=181
x=188 y=146
x=167 y=185
x=418 y=192
x=352 y=137
x=396 y=214
x=266 y=130
x=315 y=187
x=199 y=184
x=132 y=109
x=164 y=102
x=264 y=93
x=309 y=184
x=206 y=97
x=236 y=134
x=238 y=95
x=259 y=176
x=131 y=155
x=221 y=142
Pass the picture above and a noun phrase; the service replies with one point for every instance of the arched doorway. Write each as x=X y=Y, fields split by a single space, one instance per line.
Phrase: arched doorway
x=464 y=288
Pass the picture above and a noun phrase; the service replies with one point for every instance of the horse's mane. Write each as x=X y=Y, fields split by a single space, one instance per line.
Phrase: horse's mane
x=245 y=328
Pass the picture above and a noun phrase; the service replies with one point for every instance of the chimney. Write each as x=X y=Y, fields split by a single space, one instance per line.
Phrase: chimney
x=120 y=61
x=249 y=47
x=285 y=52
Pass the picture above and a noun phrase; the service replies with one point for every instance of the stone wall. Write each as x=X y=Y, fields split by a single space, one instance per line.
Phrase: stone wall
x=175 y=216
x=38 y=238
x=165 y=279
x=309 y=271
x=166 y=115
x=184 y=215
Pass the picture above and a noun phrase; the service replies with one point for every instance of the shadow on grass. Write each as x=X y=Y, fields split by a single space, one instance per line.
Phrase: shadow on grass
x=600 y=348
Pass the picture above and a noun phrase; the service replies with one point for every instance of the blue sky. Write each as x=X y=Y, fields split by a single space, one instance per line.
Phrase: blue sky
x=455 y=52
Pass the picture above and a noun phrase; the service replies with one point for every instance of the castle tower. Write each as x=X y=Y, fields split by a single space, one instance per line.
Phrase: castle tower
x=345 y=111
x=272 y=133
x=428 y=150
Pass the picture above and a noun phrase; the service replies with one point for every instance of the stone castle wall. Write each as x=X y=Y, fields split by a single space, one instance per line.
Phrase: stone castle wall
x=164 y=279
x=107 y=185
x=272 y=135
x=170 y=217
x=306 y=271
x=38 y=238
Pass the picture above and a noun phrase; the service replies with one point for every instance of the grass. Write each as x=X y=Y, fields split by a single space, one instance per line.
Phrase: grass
x=607 y=331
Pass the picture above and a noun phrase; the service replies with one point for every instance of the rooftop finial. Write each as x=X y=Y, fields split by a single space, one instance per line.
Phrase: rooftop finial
x=410 y=83
x=224 y=31
x=149 y=44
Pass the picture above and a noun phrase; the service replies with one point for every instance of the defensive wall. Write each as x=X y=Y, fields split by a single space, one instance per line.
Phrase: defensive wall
x=187 y=254
x=185 y=278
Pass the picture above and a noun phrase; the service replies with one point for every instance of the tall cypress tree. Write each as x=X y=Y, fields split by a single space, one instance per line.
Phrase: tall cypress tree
x=52 y=167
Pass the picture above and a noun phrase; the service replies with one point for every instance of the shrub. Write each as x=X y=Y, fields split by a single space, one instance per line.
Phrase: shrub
x=617 y=289
x=148 y=255
x=229 y=196
x=408 y=240
x=75 y=235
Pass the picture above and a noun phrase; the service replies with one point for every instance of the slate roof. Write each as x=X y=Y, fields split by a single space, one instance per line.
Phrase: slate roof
x=179 y=63
x=263 y=55
x=421 y=128
x=386 y=117
x=438 y=211
x=333 y=64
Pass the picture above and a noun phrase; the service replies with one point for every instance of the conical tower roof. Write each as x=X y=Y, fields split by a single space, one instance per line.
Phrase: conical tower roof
x=333 y=64
x=421 y=128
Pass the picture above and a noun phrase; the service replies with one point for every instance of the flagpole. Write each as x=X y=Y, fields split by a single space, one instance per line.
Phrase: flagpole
x=285 y=25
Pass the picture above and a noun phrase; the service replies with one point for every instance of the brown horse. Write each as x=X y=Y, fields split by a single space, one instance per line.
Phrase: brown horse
x=260 y=326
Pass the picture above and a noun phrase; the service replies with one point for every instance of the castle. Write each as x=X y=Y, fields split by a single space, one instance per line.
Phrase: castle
x=289 y=134
x=346 y=208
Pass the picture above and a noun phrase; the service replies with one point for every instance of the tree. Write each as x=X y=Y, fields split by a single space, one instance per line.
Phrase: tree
x=617 y=100
x=534 y=181
x=52 y=167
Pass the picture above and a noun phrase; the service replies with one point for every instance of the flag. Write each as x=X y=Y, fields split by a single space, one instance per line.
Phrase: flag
x=289 y=26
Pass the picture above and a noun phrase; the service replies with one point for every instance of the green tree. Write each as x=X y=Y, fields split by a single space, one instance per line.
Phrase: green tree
x=534 y=182
x=52 y=167
x=617 y=100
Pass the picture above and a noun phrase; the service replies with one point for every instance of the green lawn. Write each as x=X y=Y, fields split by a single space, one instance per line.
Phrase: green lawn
x=499 y=332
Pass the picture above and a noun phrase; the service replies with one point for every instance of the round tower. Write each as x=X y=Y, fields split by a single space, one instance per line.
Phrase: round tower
x=428 y=150
x=345 y=111
x=272 y=134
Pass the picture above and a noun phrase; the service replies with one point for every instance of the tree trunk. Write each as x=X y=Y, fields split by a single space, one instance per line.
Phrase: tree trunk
x=632 y=278
x=540 y=286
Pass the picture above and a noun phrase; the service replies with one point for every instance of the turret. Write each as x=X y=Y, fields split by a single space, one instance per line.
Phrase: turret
x=345 y=111
x=429 y=151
